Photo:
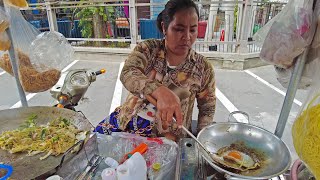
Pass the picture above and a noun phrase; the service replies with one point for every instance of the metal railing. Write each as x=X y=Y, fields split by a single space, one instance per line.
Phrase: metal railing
x=224 y=26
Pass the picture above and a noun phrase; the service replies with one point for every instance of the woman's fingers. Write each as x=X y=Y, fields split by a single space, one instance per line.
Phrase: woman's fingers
x=160 y=116
x=165 y=125
x=178 y=115
x=169 y=116
x=163 y=116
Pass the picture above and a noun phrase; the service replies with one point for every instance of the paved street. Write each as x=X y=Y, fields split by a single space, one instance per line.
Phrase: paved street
x=255 y=91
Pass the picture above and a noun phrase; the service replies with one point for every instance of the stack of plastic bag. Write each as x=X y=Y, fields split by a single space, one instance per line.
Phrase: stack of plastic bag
x=287 y=35
x=40 y=56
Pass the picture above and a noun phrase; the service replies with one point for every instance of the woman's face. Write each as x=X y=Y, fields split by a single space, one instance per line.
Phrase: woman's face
x=182 y=31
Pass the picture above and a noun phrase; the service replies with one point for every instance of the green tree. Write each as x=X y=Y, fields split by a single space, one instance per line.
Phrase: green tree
x=93 y=22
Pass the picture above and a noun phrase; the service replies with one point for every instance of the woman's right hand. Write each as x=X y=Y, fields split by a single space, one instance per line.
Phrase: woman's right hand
x=168 y=106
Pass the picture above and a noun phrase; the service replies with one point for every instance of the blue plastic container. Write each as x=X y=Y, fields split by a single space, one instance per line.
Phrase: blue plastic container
x=44 y=23
x=9 y=170
x=64 y=27
x=36 y=24
x=34 y=11
x=148 y=29
x=76 y=31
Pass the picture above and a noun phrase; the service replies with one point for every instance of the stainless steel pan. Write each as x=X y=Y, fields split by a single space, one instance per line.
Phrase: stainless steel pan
x=216 y=136
x=29 y=167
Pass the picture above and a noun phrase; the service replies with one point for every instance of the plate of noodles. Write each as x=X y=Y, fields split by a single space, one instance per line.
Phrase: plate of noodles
x=37 y=137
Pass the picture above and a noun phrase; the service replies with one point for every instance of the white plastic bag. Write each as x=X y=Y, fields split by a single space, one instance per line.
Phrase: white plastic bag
x=160 y=150
x=288 y=34
x=311 y=67
x=41 y=57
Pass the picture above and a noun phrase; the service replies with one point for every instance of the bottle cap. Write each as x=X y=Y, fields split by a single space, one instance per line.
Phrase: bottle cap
x=156 y=166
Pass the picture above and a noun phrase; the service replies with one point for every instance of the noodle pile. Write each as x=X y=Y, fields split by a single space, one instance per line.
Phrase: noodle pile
x=5 y=43
x=32 y=80
x=306 y=137
x=54 y=139
x=3 y=25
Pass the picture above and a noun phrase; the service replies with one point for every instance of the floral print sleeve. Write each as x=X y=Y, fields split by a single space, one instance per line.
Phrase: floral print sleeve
x=133 y=73
x=206 y=98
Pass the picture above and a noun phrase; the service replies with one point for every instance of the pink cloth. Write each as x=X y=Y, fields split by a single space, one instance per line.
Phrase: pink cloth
x=126 y=9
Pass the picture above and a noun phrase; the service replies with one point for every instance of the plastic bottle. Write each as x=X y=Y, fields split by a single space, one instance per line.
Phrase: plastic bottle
x=135 y=168
x=109 y=174
x=123 y=172
x=111 y=162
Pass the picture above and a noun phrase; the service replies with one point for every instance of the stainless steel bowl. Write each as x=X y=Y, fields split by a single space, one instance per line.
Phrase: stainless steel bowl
x=219 y=135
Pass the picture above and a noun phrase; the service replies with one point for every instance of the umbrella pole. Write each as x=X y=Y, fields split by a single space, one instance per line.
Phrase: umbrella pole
x=291 y=92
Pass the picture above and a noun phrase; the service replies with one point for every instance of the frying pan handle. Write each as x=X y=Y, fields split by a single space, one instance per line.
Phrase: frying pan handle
x=229 y=177
x=238 y=112
x=81 y=143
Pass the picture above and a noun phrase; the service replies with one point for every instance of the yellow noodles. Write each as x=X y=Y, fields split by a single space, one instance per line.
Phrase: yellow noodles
x=53 y=139
x=31 y=79
x=5 y=43
x=306 y=137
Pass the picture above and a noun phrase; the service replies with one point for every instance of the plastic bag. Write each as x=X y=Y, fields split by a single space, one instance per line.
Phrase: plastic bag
x=31 y=79
x=312 y=66
x=306 y=129
x=288 y=34
x=160 y=150
x=50 y=50
x=17 y=3
x=5 y=42
x=4 y=21
x=41 y=57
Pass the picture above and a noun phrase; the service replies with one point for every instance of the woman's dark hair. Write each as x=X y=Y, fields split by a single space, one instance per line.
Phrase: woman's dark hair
x=173 y=6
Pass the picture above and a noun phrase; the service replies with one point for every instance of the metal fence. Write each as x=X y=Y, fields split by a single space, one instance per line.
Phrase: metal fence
x=223 y=26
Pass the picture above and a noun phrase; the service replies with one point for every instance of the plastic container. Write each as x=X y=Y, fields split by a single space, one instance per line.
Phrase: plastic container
x=9 y=170
x=135 y=168
x=111 y=162
x=36 y=24
x=123 y=172
x=202 y=26
x=109 y=174
x=148 y=29
x=64 y=27
x=76 y=31
x=155 y=10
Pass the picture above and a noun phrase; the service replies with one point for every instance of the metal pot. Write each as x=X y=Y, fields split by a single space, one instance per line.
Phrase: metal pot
x=219 y=135
x=30 y=167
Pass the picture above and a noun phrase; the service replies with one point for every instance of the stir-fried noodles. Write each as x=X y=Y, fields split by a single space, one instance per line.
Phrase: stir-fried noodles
x=53 y=139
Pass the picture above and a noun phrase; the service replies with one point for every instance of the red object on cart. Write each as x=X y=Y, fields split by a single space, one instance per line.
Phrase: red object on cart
x=202 y=26
x=222 y=35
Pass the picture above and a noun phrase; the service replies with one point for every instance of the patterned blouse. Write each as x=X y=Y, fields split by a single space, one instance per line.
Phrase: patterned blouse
x=193 y=79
